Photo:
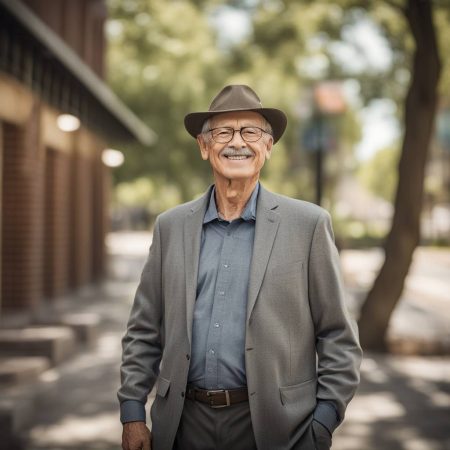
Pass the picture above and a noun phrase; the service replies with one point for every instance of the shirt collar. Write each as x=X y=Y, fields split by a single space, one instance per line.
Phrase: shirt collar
x=249 y=212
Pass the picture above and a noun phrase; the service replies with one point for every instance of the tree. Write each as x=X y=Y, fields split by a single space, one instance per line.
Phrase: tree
x=403 y=238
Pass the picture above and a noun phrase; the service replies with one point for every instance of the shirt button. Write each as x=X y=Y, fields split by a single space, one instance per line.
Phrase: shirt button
x=217 y=325
x=226 y=266
x=221 y=292
x=212 y=352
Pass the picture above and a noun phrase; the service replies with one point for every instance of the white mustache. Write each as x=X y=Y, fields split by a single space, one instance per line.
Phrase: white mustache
x=231 y=151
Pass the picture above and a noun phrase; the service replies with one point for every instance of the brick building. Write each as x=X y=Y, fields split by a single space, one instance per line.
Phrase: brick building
x=54 y=185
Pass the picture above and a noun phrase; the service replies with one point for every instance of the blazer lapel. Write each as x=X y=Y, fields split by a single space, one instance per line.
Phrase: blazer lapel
x=193 y=225
x=267 y=222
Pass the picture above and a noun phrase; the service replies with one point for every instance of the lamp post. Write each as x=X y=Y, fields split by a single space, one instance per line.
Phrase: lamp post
x=443 y=136
x=327 y=100
x=443 y=128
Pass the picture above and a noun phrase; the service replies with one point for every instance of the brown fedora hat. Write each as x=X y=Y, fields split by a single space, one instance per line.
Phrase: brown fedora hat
x=236 y=97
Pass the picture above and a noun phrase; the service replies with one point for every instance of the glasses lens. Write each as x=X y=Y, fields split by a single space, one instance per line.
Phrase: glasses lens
x=250 y=134
x=222 y=135
x=225 y=135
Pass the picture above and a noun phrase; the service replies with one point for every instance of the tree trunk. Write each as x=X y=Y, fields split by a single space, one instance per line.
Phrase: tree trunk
x=404 y=236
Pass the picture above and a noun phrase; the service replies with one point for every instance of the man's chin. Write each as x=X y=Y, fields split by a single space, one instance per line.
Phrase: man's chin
x=240 y=177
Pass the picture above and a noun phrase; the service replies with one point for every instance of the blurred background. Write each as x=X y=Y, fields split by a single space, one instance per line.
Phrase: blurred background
x=92 y=148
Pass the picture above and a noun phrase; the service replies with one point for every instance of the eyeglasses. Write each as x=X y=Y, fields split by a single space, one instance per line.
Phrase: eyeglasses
x=223 y=135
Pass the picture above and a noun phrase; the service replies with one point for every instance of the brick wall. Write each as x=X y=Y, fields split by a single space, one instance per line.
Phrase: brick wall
x=22 y=218
x=53 y=214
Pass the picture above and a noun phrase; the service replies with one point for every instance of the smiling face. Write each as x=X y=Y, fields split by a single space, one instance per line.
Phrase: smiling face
x=237 y=159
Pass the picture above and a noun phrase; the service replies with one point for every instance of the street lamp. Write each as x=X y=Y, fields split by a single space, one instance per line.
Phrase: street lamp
x=443 y=128
x=328 y=100
x=443 y=136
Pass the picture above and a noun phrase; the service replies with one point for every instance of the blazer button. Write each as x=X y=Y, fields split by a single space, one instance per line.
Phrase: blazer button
x=182 y=394
x=188 y=357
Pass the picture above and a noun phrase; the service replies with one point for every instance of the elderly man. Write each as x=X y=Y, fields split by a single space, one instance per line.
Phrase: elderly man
x=239 y=317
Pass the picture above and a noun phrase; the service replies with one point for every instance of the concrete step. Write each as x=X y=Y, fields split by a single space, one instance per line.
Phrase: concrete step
x=52 y=342
x=84 y=325
x=16 y=369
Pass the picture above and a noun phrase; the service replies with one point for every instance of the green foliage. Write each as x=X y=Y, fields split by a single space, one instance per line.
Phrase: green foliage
x=151 y=193
x=164 y=61
x=379 y=173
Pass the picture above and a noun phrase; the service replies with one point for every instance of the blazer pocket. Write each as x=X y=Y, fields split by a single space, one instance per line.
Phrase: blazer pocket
x=163 y=387
x=304 y=392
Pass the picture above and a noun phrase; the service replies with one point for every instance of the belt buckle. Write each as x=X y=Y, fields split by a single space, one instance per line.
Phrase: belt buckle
x=227 y=398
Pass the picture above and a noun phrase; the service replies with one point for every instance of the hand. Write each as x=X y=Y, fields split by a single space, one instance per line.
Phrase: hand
x=136 y=436
x=322 y=436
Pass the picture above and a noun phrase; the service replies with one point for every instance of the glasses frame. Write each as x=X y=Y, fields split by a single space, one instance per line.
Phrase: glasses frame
x=234 y=131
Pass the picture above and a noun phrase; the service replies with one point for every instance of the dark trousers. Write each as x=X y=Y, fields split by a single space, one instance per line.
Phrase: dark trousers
x=205 y=428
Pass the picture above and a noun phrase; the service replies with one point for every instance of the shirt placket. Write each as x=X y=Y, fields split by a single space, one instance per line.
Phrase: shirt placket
x=217 y=317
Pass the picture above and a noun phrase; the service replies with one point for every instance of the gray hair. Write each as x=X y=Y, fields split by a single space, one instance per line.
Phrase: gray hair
x=266 y=126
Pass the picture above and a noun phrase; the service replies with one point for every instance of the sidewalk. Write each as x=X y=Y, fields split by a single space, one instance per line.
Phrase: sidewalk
x=402 y=403
x=76 y=405
x=420 y=323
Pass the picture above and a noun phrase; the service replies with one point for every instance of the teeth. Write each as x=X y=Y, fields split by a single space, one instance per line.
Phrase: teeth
x=237 y=157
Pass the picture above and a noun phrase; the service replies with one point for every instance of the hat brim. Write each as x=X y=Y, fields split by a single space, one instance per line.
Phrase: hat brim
x=193 y=122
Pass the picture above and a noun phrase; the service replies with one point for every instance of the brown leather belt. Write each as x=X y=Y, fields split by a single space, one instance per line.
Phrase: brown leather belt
x=217 y=398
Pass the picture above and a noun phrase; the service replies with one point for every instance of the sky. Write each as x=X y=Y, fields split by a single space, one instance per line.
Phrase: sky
x=380 y=127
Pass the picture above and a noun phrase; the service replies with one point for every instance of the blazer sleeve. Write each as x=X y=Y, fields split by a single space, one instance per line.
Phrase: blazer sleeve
x=141 y=345
x=337 y=344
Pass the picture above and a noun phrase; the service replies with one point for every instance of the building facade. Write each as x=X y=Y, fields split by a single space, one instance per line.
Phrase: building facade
x=54 y=185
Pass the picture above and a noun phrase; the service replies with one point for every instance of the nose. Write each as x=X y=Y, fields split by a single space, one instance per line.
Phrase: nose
x=237 y=140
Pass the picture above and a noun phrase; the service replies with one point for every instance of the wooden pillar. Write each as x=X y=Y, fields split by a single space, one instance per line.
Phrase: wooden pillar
x=1 y=210
x=82 y=195
x=100 y=216
x=56 y=235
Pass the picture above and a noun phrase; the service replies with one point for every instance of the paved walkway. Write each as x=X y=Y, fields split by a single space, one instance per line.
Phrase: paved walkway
x=402 y=403
x=421 y=320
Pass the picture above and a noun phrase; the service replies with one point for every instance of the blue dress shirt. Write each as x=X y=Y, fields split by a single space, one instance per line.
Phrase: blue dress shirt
x=218 y=332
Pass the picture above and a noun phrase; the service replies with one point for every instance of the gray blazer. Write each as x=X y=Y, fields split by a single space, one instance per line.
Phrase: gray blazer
x=301 y=345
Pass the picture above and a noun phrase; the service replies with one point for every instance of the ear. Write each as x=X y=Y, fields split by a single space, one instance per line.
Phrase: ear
x=203 y=146
x=269 y=147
